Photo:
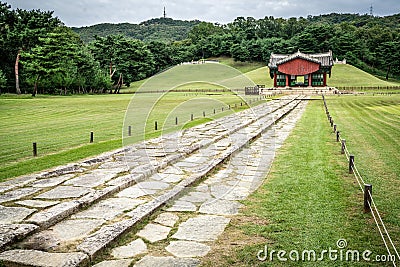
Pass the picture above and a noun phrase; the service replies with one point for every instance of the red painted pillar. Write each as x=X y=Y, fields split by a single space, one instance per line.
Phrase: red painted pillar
x=287 y=80
x=324 y=79
x=275 y=77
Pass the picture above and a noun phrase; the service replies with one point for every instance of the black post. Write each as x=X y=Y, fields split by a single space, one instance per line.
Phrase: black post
x=155 y=125
x=34 y=149
x=176 y=120
x=214 y=110
x=129 y=130
x=191 y=117
x=351 y=163
x=91 y=137
x=343 y=145
x=241 y=104
x=222 y=109
x=337 y=136
x=367 y=197
x=331 y=122
x=334 y=128
x=204 y=113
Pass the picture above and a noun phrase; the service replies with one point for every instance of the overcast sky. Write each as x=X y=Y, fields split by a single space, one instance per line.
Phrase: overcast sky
x=89 y=12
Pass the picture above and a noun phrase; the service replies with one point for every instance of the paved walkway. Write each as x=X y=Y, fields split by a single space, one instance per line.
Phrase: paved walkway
x=66 y=216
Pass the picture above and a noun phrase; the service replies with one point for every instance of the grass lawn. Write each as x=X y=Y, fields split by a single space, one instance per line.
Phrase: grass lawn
x=243 y=67
x=61 y=126
x=309 y=201
x=348 y=75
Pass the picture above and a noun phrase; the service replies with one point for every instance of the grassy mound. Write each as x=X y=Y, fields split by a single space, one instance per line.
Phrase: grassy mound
x=348 y=75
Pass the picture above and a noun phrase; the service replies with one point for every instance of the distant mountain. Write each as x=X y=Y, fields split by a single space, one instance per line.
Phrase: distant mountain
x=160 y=29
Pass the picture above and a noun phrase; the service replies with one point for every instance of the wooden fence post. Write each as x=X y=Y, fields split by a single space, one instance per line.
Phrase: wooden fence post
x=34 y=145
x=129 y=130
x=351 y=163
x=91 y=137
x=337 y=136
x=367 y=197
x=334 y=128
x=191 y=117
x=176 y=120
x=204 y=113
x=155 y=125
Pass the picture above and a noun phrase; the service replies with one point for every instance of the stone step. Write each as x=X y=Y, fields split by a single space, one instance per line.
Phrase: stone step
x=19 y=257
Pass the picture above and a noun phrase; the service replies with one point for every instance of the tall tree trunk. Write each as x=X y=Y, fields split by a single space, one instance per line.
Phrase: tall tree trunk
x=17 y=89
x=387 y=73
x=119 y=84
x=35 y=88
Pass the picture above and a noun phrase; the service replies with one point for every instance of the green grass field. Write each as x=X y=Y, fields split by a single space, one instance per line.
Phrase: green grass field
x=61 y=126
x=309 y=201
x=347 y=75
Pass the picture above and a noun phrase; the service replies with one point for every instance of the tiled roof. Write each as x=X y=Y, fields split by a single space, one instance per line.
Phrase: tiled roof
x=325 y=59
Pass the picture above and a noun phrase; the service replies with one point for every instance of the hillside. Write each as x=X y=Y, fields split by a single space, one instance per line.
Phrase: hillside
x=348 y=75
x=160 y=29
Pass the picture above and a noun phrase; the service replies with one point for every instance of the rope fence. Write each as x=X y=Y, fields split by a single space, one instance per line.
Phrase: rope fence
x=369 y=203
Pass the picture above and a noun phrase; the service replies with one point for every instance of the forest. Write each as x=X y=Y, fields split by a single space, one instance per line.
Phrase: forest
x=39 y=54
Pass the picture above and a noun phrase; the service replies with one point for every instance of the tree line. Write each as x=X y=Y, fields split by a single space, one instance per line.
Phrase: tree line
x=39 y=54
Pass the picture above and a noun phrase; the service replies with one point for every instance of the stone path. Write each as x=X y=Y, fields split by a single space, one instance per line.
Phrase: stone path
x=74 y=212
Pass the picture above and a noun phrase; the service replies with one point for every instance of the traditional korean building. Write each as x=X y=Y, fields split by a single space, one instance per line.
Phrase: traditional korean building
x=300 y=69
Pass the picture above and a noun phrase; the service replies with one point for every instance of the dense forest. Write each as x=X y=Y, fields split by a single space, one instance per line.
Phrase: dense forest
x=39 y=54
x=160 y=29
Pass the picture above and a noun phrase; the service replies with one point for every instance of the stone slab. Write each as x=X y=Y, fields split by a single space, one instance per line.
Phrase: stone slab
x=48 y=217
x=10 y=233
x=109 y=208
x=93 y=179
x=63 y=192
x=63 y=232
x=135 y=192
x=17 y=194
x=50 y=182
x=18 y=181
x=196 y=197
x=151 y=261
x=43 y=240
x=114 y=263
x=221 y=191
x=154 y=232
x=131 y=250
x=187 y=249
x=75 y=229
x=153 y=185
x=21 y=257
x=37 y=203
x=202 y=228
x=167 y=219
x=182 y=206
x=220 y=207
x=122 y=180
x=14 y=214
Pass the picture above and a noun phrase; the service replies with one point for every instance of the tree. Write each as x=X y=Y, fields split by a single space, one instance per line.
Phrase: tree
x=3 y=80
x=240 y=53
x=54 y=59
x=203 y=30
x=127 y=60
x=389 y=55
x=20 y=31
